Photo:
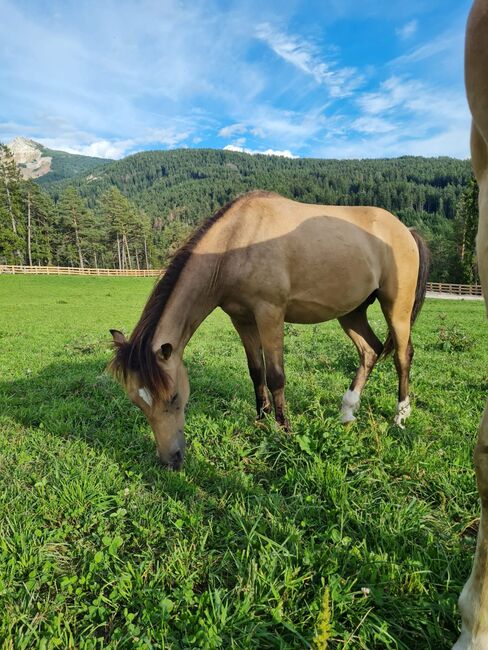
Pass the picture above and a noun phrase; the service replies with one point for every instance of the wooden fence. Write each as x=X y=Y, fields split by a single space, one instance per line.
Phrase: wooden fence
x=458 y=289
x=436 y=287
x=69 y=270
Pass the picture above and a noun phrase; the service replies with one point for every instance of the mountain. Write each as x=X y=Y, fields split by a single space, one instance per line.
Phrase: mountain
x=177 y=189
x=189 y=184
x=152 y=200
x=46 y=165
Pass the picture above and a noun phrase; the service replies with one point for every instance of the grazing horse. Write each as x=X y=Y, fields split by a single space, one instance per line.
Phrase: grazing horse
x=264 y=260
x=473 y=602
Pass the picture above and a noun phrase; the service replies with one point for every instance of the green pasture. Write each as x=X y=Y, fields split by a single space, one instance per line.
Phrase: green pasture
x=102 y=548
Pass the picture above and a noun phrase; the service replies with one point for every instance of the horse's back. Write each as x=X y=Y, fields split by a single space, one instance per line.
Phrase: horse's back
x=320 y=261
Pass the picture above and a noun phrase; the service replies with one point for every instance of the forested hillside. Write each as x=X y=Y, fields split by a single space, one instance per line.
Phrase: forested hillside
x=65 y=165
x=137 y=210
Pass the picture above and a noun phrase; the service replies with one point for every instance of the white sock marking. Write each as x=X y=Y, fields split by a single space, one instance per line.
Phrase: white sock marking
x=350 y=404
x=403 y=411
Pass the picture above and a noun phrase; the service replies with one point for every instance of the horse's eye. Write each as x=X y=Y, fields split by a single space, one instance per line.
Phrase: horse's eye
x=174 y=398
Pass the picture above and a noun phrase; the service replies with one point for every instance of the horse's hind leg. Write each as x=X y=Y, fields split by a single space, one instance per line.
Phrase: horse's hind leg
x=369 y=347
x=270 y=322
x=249 y=335
x=398 y=316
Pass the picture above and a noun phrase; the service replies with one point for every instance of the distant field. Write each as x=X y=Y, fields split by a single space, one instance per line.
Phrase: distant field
x=101 y=548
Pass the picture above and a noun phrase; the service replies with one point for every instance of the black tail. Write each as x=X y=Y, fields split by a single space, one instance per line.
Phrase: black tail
x=424 y=267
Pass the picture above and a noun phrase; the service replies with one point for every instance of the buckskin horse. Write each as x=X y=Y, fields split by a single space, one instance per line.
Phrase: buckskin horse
x=264 y=260
x=473 y=602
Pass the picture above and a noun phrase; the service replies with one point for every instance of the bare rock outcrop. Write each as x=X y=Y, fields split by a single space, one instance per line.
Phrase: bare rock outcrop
x=29 y=158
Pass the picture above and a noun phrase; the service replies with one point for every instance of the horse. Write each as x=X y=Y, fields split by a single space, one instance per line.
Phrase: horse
x=266 y=260
x=473 y=601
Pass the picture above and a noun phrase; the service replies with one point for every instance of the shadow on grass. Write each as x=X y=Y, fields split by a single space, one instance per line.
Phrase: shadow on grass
x=80 y=400
x=77 y=399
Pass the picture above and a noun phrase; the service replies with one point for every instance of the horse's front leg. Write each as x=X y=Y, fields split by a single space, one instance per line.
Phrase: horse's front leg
x=270 y=322
x=248 y=332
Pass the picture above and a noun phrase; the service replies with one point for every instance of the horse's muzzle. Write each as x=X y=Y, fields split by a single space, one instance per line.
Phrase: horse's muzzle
x=176 y=460
x=173 y=460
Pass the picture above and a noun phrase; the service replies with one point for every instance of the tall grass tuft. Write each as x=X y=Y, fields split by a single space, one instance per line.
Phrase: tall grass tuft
x=324 y=623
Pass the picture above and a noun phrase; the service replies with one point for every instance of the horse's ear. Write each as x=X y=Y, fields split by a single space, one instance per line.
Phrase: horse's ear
x=118 y=337
x=166 y=350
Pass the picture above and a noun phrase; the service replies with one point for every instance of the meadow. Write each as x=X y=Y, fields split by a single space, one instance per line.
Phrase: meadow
x=102 y=548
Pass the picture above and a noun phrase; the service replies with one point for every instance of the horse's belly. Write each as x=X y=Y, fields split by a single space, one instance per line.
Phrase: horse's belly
x=314 y=298
x=309 y=312
x=314 y=310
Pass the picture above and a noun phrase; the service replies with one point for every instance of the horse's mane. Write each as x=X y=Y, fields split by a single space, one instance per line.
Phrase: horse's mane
x=136 y=354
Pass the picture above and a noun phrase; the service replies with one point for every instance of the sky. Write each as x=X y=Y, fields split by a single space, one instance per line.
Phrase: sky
x=298 y=78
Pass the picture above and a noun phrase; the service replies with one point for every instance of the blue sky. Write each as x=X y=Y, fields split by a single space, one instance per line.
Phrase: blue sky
x=329 y=78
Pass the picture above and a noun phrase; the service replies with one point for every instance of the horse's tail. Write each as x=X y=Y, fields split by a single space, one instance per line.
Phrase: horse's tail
x=420 y=291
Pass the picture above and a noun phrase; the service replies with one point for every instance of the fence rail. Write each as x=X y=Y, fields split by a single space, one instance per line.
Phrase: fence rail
x=69 y=270
x=436 y=287
x=458 y=289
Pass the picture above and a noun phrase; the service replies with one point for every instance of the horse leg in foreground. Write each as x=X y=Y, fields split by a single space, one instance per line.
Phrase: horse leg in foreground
x=473 y=602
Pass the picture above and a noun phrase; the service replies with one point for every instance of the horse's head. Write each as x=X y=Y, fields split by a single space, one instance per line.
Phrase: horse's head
x=156 y=382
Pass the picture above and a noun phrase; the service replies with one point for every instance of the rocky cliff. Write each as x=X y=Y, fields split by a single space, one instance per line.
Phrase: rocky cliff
x=30 y=158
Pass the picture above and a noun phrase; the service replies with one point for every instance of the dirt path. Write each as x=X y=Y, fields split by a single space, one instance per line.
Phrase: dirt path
x=451 y=296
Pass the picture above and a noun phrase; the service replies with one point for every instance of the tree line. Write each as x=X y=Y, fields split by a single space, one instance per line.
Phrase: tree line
x=36 y=229
x=135 y=212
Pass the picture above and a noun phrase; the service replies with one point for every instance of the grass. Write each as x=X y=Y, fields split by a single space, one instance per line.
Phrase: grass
x=357 y=537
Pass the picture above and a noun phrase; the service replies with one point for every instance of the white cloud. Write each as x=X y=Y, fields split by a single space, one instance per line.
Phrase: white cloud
x=86 y=144
x=446 y=42
x=99 y=149
x=232 y=129
x=404 y=116
x=393 y=91
x=284 y=153
x=438 y=107
x=407 y=31
x=278 y=125
x=115 y=72
x=304 y=55
x=371 y=124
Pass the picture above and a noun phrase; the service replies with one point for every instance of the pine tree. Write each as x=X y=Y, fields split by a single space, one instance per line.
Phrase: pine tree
x=11 y=227
x=466 y=225
x=129 y=230
x=40 y=235
x=75 y=221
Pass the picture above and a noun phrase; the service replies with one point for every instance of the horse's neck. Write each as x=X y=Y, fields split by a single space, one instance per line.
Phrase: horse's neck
x=193 y=298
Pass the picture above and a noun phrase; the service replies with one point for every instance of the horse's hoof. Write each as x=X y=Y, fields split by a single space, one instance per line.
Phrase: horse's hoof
x=350 y=404
x=284 y=425
x=403 y=411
